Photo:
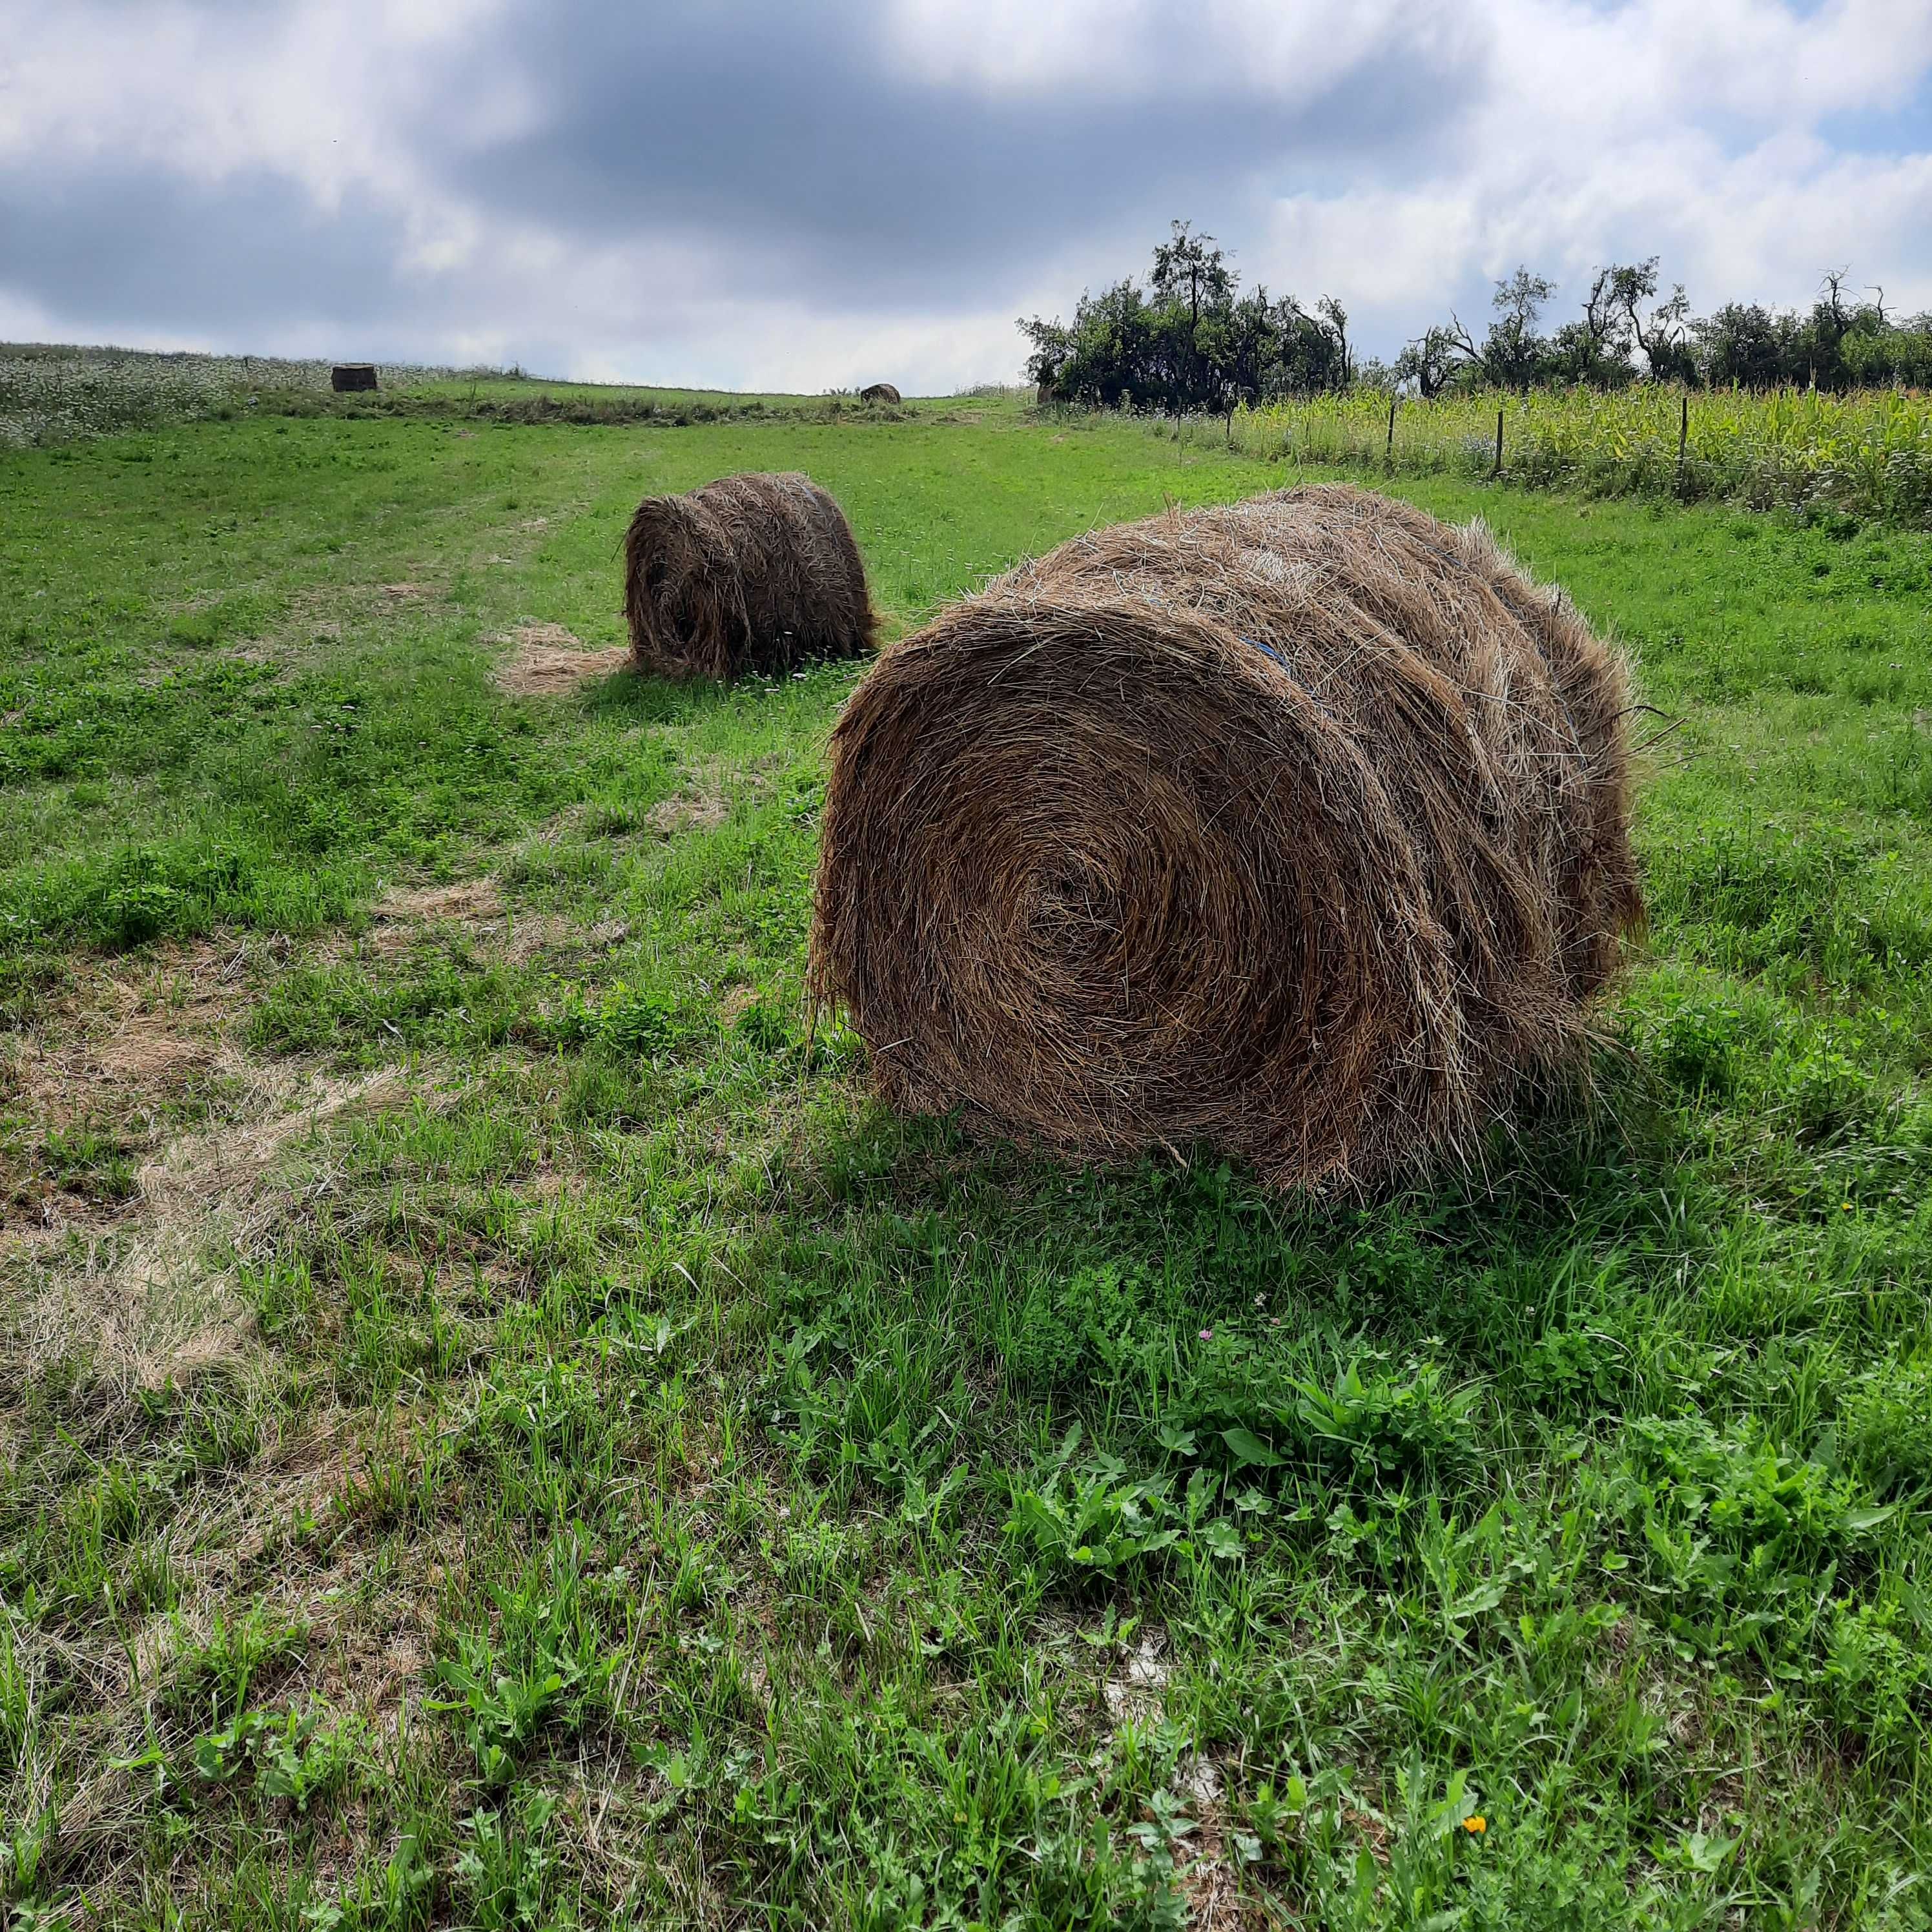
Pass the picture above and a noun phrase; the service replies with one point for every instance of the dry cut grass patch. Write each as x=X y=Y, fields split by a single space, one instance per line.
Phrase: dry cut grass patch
x=150 y=1297
x=547 y=661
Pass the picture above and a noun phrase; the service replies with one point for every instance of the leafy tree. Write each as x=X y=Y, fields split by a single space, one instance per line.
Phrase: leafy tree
x=1595 y=349
x=1190 y=341
x=1430 y=361
x=1625 y=295
x=1665 y=339
x=1191 y=264
x=1746 y=343
x=1337 y=317
x=1513 y=355
x=1896 y=352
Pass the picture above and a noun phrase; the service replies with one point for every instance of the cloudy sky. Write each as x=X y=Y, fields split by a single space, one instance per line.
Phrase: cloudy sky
x=798 y=193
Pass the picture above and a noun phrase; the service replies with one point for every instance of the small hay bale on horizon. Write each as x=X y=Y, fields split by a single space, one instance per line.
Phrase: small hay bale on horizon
x=753 y=573
x=1298 y=827
x=879 y=392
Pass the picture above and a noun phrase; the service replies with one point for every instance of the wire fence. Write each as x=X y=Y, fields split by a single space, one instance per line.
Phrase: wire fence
x=1866 y=453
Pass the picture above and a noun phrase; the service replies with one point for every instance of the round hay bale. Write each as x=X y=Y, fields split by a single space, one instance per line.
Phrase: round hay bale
x=1299 y=827
x=879 y=392
x=349 y=378
x=750 y=574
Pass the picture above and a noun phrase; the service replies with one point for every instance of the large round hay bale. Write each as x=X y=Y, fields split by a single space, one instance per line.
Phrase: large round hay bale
x=879 y=392
x=751 y=573
x=1298 y=827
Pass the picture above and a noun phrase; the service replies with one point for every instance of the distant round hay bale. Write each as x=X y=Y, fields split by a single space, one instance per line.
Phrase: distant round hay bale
x=879 y=392
x=347 y=378
x=750 y=574
x=1298 y=827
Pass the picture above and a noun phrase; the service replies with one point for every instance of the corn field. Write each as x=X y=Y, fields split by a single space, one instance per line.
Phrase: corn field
x=1867 y=453
x=51 y=394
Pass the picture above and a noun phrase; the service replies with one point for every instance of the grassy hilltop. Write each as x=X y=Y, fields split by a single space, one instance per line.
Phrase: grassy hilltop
x=497 y=1429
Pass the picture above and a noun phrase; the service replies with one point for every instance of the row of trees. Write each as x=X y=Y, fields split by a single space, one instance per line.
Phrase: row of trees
x=1626 y=334
x=1191 y=341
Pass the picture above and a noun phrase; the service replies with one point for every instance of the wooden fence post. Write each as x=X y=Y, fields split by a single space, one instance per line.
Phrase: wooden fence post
x=1388 y=451
x=1683 y=440
x=1498 y=469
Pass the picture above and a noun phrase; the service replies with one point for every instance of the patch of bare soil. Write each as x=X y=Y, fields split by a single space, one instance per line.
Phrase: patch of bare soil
x=551 y=932
x=406 y=592
x=735 y=1000
x=1209 y=1881
x=547 y=660
x=150 y=1052
x=293 y=1541
x=1134 y=1694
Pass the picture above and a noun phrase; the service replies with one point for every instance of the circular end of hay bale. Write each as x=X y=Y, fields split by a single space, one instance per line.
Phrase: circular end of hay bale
x=1156 y=899
x=1170 y=837
x=349 y=378
x=879 y=392
x=751 y=573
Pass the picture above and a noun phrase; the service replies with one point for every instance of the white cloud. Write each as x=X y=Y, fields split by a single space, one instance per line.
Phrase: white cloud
x=325 y=94
x=800 y=350
x=1689 y=132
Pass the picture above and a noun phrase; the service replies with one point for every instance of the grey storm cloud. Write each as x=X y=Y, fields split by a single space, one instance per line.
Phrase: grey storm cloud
x=789 y=134
x=110 y=240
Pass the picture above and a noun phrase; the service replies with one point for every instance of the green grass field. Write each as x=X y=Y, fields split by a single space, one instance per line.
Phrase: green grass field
x=497 y=1430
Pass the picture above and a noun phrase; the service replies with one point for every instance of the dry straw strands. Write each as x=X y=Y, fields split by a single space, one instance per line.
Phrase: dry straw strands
x=1299 y=827
x=751 y=573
